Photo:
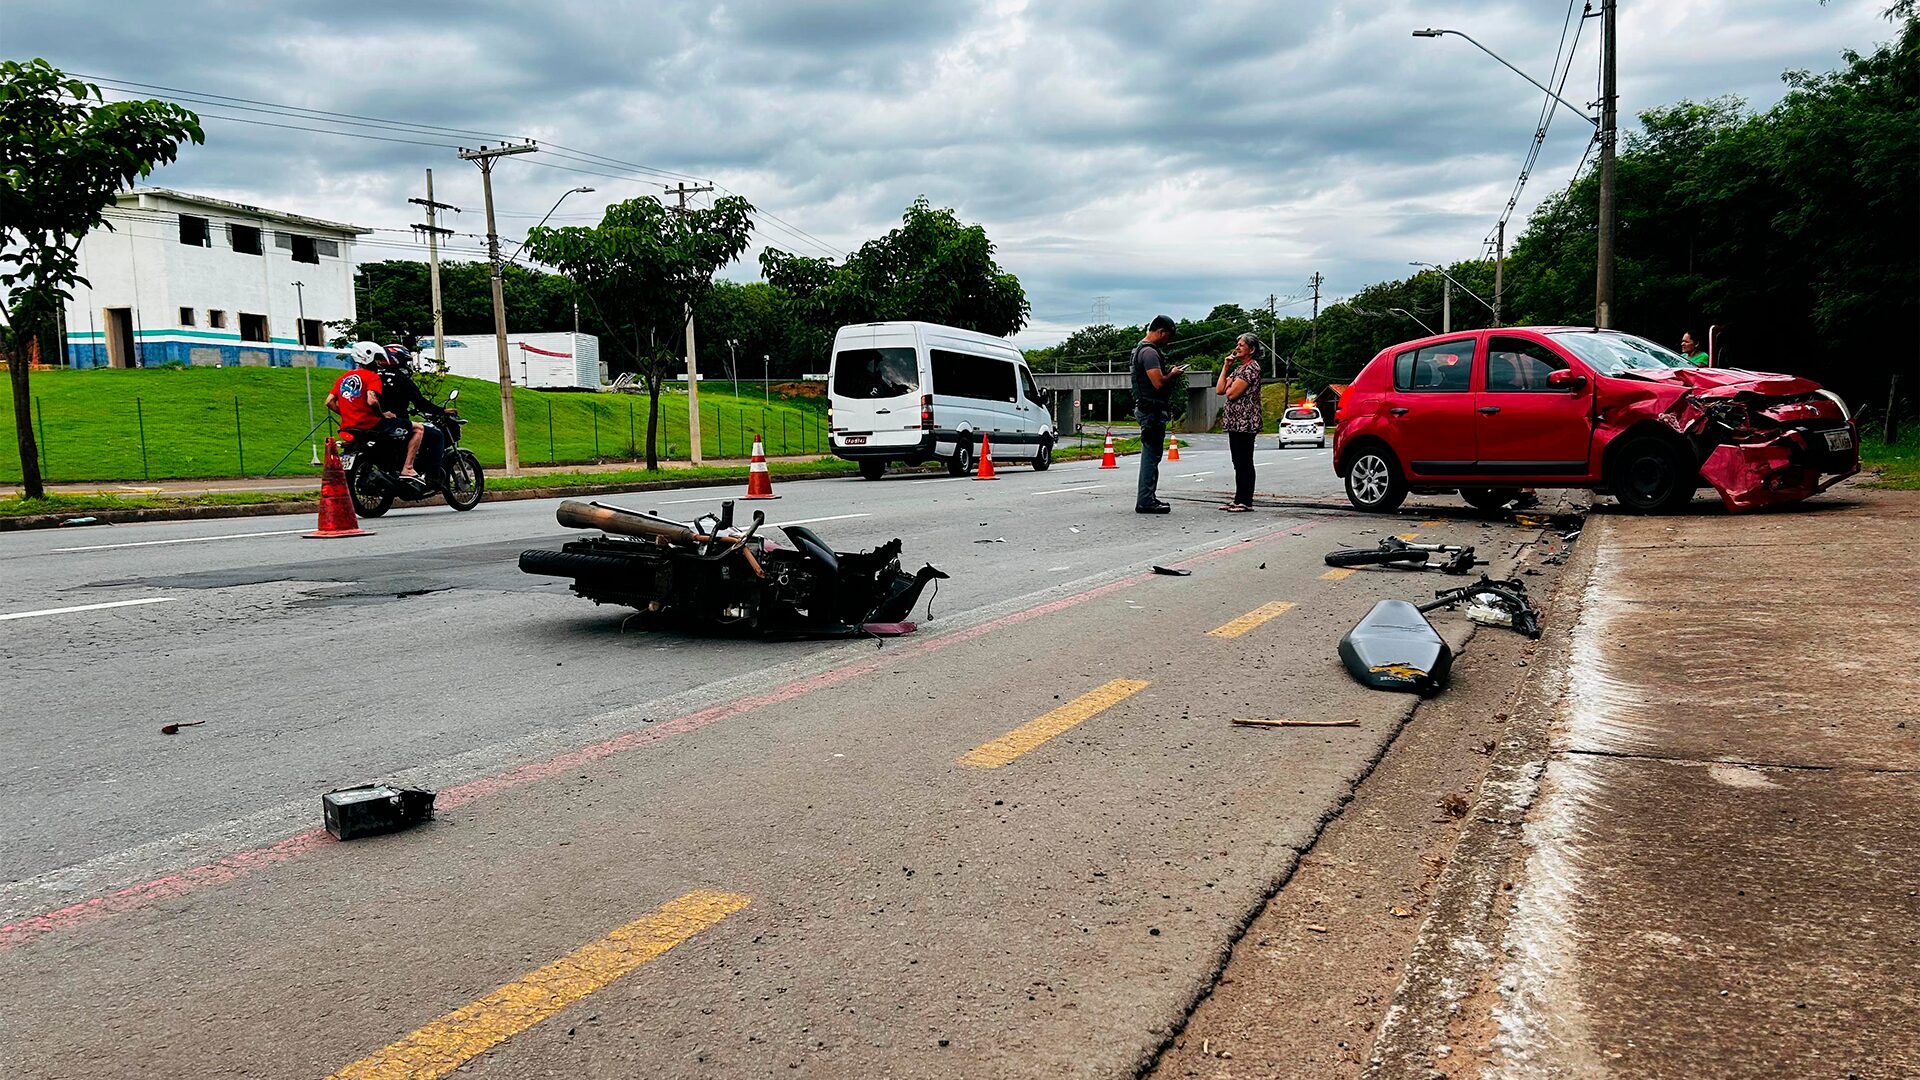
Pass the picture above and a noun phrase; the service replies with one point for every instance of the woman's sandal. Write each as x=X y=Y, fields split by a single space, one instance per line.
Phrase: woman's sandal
x=1236 y=508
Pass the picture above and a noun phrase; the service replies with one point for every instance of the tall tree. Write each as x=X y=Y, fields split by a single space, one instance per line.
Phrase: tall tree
x=932 y=268
x=64 y=152
x=642 y=269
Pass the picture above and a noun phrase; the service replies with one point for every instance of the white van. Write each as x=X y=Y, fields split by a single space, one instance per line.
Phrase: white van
x=917 y=392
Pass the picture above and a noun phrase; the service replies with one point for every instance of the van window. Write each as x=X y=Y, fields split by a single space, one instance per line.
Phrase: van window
x=1446 y=368
x=875 y=373
x=1026 y=383
x=967 y=375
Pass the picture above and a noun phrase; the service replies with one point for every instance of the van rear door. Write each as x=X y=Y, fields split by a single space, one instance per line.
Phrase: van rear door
x=875 y=389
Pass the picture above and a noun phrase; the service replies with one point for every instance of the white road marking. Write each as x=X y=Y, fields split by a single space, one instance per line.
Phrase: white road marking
x=941 y=480
x=87 y=607
x=809 y=521
x=1056 y=491
x=1183 y=476
x=183 y=540
x=680 y=502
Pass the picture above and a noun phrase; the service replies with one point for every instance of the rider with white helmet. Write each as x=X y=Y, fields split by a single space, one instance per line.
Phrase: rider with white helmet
x=356 y=397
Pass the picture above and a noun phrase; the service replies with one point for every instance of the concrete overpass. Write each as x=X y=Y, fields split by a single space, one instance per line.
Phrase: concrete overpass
x=1081 y=396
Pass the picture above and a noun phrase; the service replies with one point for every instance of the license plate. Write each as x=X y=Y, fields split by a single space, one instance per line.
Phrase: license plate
x=1839 y=440
x=855 y=440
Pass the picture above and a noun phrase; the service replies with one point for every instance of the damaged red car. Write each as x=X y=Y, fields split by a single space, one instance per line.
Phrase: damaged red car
x=1488 y=413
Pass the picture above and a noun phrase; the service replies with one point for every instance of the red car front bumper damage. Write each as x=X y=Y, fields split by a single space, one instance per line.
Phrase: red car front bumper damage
x=1767 y=473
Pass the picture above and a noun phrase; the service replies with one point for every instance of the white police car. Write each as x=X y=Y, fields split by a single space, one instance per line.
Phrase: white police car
x=1301 y=425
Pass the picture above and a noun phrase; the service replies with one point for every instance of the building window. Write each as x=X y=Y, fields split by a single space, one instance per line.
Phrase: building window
x=312 y=331
x=216 y=318
x=193 y=231
x=186 y=316
x=253 y=327
x=245 y=239
x=304 y=249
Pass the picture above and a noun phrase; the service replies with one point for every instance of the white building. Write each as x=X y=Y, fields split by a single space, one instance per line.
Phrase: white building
x=536 y=360
x=196 y=280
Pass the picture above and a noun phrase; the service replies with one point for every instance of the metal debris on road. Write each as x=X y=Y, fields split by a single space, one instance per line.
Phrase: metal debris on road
x=174 y=729
x=1171 y=572
x=1395 y=648
x=1492 y=603
x=372 y=809
x=993 y=540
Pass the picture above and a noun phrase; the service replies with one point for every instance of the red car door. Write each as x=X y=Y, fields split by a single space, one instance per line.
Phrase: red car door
x=1523 y=424
x=1430 y=419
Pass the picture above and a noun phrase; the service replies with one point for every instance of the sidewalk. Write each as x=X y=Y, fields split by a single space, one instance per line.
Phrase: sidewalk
x=1697 y=851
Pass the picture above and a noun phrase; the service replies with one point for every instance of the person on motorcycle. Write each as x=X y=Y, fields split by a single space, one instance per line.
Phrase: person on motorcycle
x=400 y=397
x=356 y=397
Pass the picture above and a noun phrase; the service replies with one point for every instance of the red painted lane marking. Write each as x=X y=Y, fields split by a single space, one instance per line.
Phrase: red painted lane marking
x=230 y=867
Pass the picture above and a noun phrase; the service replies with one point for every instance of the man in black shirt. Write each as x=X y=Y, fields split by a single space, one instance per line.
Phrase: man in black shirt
x=1154 y=384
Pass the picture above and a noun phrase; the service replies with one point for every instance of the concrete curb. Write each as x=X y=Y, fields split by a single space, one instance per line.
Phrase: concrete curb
x=1460 y=945
x=299 y=505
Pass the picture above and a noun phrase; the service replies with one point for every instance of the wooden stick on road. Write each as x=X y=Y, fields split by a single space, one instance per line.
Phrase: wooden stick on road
x=1244 y=722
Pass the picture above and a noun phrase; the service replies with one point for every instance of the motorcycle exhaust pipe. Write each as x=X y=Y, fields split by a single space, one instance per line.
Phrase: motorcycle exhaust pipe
x=583 y=515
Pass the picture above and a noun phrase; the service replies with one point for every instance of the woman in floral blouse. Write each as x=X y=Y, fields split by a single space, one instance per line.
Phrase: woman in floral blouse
x=1239 y=383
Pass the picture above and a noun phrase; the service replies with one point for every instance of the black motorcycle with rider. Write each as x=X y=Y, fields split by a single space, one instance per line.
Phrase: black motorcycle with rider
x=377 y=463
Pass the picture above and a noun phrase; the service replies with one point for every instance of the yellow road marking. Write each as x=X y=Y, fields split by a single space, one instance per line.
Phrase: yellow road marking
x=1409 y=536
x=1033 y=733
x=1431 y=523
x=1338 y=573
x=461 y=1035
x=1251 y=619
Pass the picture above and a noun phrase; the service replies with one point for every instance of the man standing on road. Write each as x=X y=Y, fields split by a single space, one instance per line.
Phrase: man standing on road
x=1153 y=388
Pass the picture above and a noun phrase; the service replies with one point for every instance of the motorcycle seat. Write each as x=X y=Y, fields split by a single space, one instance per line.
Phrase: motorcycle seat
x=813 y=547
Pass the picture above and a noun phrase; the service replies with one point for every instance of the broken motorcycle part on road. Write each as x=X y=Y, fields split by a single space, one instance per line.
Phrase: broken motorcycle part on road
x=1393 y=551
x=372 y=809
x=1169 y=571
x=1396 y=648
x=710 y=575
x=1492 y=602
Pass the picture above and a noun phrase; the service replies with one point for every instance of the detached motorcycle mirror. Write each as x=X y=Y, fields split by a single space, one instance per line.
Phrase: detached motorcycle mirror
x=1566 y=379
x=452 y=394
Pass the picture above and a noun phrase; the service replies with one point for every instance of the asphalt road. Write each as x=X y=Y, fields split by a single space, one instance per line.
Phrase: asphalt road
x=1013 y=844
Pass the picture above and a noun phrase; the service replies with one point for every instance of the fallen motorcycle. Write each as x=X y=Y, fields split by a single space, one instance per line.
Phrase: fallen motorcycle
x=709 y=574
x=1492 y=602
x=1393 y=551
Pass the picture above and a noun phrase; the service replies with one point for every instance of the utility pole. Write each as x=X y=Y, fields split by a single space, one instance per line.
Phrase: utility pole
x=1446 y=304
x=1609 y=108
x=1313 y=336
x=300 y=296
x=1499 y=269
x=1273 y=331
x=681 y=191
x=434 y=233
x=483 y=157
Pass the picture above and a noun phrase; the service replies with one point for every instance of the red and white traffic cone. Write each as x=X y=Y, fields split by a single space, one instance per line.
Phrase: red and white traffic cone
x=985 y=472
x=759 y=480
x=1173 y=447
x=337 y=518
x=1107 y=460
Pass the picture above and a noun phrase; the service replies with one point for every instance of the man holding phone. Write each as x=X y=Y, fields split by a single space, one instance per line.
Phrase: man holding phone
x=1154 y=384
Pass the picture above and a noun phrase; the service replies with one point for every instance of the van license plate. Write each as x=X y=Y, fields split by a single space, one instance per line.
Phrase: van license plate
x=855 y=440
x=1839 y=440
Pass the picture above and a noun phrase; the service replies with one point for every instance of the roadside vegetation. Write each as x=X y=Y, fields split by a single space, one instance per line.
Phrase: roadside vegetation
x=1897 y=466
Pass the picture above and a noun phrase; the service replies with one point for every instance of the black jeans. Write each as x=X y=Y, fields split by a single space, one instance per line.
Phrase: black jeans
x=1153 y=443
x=1241 y=443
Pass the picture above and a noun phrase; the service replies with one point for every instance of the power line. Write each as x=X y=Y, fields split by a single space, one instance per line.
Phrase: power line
x=317 y=114
x=1547 y=113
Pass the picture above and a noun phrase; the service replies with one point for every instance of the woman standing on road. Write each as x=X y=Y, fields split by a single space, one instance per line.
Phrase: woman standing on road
x=1239 y=383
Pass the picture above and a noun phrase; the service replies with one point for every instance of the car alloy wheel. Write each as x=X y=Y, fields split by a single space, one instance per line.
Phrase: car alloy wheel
x=1371 y=477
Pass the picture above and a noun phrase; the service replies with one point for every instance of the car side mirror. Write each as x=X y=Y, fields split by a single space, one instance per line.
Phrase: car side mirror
x=1567 y=379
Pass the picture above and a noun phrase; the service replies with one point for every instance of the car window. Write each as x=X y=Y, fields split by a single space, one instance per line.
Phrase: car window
x=1026 y=383
x=1302 y=414
x=1516 y=365
x=1610 y=353
x=957 y=374
x=1446 y=368
x=875 y=373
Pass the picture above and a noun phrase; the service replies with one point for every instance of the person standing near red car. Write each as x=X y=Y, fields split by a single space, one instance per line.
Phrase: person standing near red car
x=1239 y=383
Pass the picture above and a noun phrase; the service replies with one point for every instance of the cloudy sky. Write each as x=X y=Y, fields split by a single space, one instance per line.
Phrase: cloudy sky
x=1165 y=156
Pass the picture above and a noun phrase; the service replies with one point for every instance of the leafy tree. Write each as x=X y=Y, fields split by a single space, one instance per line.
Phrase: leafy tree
x=64 y=152
x=931 y=268
x=641 y=270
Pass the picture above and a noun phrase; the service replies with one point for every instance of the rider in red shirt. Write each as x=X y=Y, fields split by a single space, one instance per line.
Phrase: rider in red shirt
x=356 y=397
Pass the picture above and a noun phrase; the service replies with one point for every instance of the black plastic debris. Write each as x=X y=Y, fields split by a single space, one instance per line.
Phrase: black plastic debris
x=1171 y=572
x=351 y=813
x=1396 y=648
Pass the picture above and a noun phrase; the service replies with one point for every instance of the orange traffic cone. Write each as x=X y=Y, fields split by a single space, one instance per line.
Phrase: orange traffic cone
x=1173 y=447
x=759 y=480
x=337 y=518
x=1107 y=460
x=985 y=472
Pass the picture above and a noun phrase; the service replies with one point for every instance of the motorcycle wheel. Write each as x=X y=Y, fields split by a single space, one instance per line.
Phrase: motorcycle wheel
x=369 y=501
x=465 y=482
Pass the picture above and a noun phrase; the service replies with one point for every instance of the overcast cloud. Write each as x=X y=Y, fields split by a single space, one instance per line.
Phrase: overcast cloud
x=1168 y=156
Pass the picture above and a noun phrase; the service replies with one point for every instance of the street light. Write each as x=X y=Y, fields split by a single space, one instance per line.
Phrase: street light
x=766 y=378
x=300 y=294
x=1446 y=297
x=520 y=250
x=1606 y=127
x=1411 y=315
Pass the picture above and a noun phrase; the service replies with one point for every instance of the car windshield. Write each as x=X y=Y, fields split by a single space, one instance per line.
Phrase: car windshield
x=1612 y=354
x=1302 y=414
x=875 y=373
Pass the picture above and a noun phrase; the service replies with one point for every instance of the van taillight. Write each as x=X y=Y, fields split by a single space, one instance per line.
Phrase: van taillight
x=926 y=411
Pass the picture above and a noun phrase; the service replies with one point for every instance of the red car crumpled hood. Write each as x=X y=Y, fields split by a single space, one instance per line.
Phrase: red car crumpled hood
x=1725 y=382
